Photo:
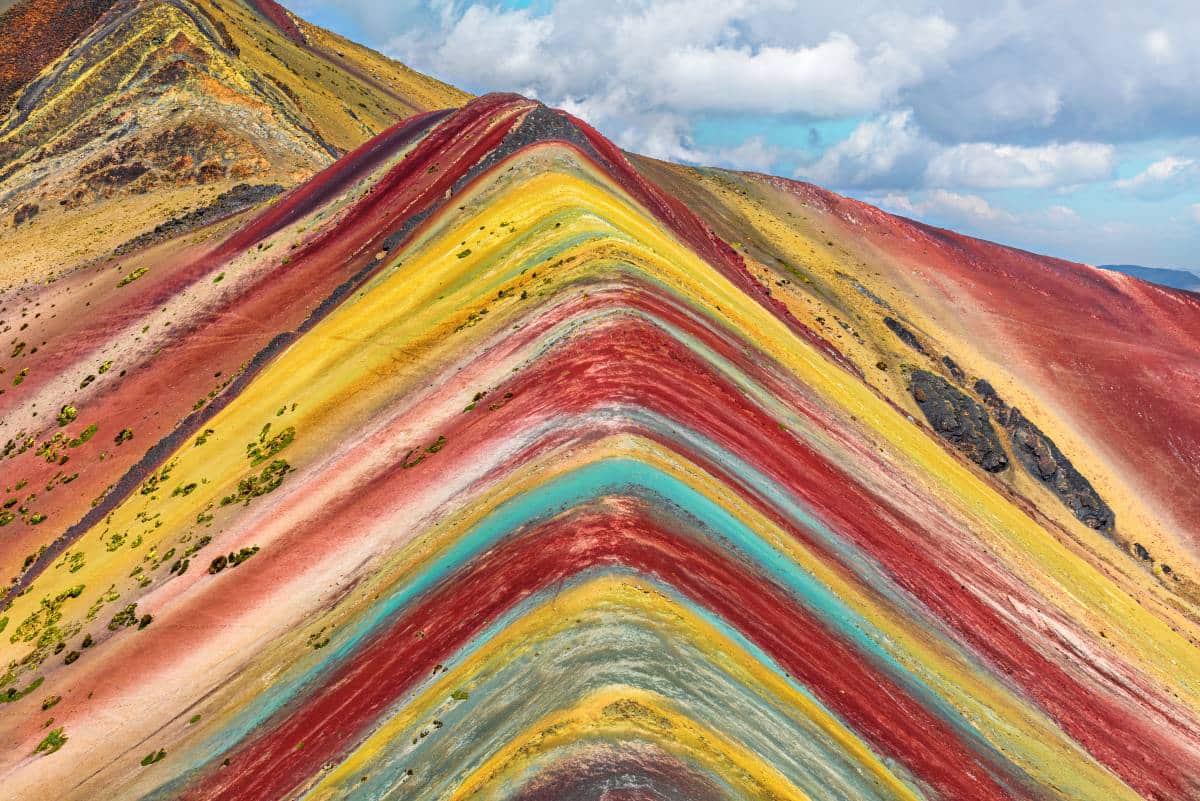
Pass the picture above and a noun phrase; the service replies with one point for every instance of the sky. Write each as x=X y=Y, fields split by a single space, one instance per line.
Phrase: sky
x=1064 y=127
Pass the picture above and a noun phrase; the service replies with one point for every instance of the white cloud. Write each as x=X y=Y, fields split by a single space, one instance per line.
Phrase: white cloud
x=833 y=78
x=830 y=79
x=888 y=150
x=510 y=43
x=1195 y=211
x=661 y=136
x=943 y=205
x=891 y=151
x=685 y=55
x=1163 y=178
x=753 y=154
x=1022 y=102
x=983 y=165
x=1063 y=215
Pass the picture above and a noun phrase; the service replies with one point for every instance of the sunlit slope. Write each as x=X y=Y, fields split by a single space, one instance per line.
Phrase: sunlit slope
x=162 y=106
x=481 y=466
x=1104 y=365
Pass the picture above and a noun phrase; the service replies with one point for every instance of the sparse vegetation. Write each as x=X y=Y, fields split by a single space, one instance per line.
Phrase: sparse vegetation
x=152 y=757
x=133 y=276
x=233 y=559
x=254 y=486
x=52 y=742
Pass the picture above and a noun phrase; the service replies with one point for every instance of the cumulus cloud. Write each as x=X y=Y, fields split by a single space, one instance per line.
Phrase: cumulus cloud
x=887 y=150
x=1163 y=178
x=831 y=79
x=983 y=165
x=1062 y=214
x=683 y=55
x=947 y=206
x=891 y=151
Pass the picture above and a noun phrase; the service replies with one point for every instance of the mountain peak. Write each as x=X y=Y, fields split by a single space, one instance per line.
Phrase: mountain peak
x=154 y=97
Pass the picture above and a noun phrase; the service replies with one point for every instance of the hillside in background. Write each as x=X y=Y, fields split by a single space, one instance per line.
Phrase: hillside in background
x=458 y=453
x=161 y=107
x=1177 y=279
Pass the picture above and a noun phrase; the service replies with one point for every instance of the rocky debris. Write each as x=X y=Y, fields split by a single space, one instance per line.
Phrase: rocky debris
x=1042 y=459
x=862 y=290
x=958 y=419
x=993 y=401
x=906 y=336
x=239 y=197
x=33 y=33
x=954 y=369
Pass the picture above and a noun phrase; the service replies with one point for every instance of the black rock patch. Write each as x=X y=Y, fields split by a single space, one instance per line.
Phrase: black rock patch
x=1042 y=459
x=1038 y=454
x=959 y=420
x=954 y=369
x=906 y=336
x=240 y=197
x=25 y=213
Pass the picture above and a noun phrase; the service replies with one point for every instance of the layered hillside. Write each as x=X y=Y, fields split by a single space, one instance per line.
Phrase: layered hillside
x=490 y=463
x=123 y=115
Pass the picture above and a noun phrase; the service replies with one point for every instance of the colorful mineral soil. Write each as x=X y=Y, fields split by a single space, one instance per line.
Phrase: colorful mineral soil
x=485 y=460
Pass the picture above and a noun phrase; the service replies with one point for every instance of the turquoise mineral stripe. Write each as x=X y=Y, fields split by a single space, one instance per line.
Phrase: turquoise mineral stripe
x=614 y=476
x=823 y=755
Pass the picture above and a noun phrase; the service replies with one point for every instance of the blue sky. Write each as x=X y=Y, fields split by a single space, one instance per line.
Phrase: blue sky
x=1065 y=127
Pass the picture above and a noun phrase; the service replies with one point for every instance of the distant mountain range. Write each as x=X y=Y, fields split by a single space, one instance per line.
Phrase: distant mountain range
x=1177 y=279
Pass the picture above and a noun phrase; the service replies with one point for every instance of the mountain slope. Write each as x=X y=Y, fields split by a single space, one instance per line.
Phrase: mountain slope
x=162 y=106
x=489 y=462
x=35 y=34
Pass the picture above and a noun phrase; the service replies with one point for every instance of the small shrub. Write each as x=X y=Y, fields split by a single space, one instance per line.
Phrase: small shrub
x=52 y=742
x=133 y=276
x=152 y=757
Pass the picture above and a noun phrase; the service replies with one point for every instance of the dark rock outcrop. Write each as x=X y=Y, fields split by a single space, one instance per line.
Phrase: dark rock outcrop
x=1042 y=459
x=906 y=336
x=1038 y=454
x=954 y=369
x=25 y=213
x=957 y=418
x=240 y=197
x=986 y=391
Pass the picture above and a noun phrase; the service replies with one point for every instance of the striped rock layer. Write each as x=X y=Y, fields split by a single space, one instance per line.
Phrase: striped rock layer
x=495 y=463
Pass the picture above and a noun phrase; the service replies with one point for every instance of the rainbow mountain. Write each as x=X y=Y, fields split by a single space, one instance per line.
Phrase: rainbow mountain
x=487 y=460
